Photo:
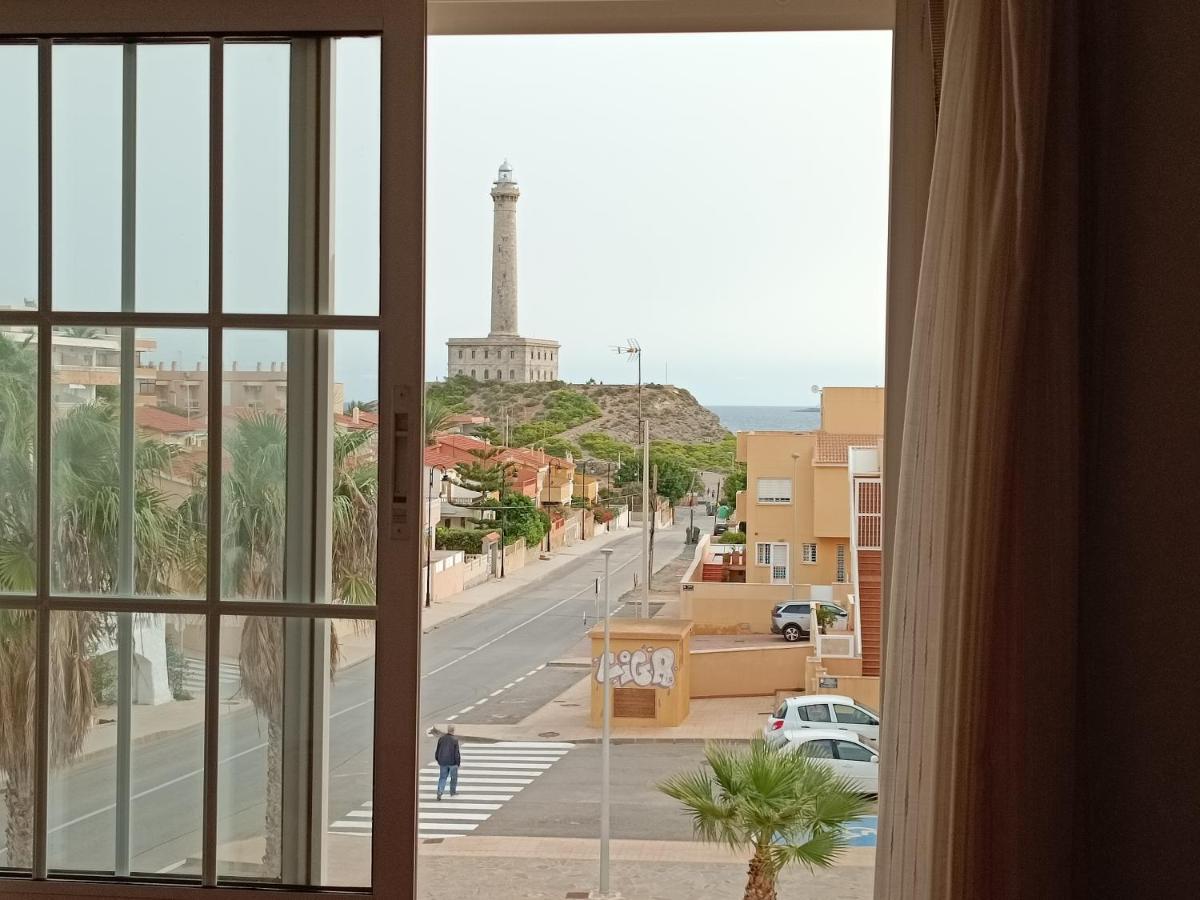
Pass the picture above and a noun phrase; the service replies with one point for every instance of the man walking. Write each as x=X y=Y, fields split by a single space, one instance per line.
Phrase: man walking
x=448 y=759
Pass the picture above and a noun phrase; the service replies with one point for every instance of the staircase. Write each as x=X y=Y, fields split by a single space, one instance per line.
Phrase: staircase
x=870 y=594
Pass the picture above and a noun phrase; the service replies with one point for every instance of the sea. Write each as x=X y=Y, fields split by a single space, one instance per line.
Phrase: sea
x=768 y=418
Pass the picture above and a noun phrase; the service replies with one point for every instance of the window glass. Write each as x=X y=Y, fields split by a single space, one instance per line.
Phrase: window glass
x=18 y=666
x=267 y=784
x=275 y=475
x=90 y=550
x=851 y=715
x=815 y=712
x=86 y=173
x=163 y=695
x=818 y=749
x=356 y=176
x=781 y=713
x=255 y=217
x=18 y=176
x=853 y=752
x=18 y=459
x=171 y=259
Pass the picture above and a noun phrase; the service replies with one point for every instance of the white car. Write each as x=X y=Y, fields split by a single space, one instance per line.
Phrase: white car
x=845 y=753
x=825 y=711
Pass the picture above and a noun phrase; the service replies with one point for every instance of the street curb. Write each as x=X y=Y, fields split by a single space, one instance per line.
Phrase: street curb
x=501 y=597
x=465 y=735
x=149 y=738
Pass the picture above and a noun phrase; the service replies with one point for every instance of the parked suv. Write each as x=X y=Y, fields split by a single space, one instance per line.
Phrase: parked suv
x=823 y=711
x=791 y=619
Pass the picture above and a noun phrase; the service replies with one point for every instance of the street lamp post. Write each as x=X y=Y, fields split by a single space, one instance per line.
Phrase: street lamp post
x=605 y=747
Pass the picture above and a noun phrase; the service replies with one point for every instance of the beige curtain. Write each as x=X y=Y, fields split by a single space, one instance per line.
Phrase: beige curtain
x=978 y=676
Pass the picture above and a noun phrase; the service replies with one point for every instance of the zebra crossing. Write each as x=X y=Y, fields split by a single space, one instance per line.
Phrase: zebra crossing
x=193 y=677
x=490 y=776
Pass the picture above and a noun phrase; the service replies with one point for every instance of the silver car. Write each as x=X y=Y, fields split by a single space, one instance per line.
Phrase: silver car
x=822 y=711
x=791 y=619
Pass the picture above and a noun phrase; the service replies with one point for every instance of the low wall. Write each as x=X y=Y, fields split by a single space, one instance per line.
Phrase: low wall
x=475 y=571
x=748 y=671
x=514 y=556
x=719 y=608
x=862 y=688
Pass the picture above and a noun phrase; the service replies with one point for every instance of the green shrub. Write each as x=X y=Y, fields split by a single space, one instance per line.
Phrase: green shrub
x=732 y=537
x=468 y=540
x=104 y=679
x=176 y=669
x=602 y=446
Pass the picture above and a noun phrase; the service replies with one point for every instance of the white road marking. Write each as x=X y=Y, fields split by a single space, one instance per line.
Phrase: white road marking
x=493 y=774
x=452 y=718
x=518 y=627
x=455 y=804
x=494 y=693
x=172 y=867
x=466 y=709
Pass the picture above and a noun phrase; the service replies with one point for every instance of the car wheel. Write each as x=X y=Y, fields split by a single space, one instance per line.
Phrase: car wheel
x=792 y=632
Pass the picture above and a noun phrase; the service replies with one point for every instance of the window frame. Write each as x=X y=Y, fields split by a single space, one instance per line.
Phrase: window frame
x=774 y=498
x=401 y=232
x=807 y=558
x=401 y=364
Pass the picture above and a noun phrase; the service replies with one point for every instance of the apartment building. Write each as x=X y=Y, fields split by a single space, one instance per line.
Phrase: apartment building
x=796 y=508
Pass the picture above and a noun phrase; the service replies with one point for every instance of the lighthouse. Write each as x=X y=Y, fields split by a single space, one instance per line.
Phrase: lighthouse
x=504 y=355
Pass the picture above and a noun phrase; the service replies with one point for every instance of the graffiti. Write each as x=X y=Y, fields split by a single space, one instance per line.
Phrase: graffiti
x=646 y=667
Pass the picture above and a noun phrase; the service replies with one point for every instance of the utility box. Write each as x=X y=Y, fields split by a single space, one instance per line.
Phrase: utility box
x=648 y=668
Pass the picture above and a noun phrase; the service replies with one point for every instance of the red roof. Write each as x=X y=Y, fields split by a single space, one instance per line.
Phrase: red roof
x=151 y=418
x=834 y=449
x=452 y=449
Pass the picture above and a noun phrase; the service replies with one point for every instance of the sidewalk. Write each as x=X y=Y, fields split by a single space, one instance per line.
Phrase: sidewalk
x=497 y=589
x=545 y=868
x=565 y=718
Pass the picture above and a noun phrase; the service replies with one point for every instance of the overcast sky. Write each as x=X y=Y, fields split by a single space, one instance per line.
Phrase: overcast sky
x=721 y=198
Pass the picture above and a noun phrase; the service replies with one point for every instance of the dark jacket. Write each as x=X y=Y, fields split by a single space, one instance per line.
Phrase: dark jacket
x=447 y=753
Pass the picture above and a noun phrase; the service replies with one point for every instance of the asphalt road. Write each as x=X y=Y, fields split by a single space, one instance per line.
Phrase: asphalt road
x=466 y=665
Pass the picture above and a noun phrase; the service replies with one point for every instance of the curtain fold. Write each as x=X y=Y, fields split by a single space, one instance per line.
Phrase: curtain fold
x=979 y=666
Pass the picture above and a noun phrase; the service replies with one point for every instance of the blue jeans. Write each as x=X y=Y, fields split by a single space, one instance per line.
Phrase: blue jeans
x=452 y=771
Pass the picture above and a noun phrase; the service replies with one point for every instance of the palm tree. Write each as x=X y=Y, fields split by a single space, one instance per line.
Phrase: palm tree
x=355 y=513
x=783 y=807
x=85 y=461
x=254 y=527
x=437 y=417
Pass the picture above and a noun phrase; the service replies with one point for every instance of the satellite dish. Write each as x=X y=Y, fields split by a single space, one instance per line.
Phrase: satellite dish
x=816 y=389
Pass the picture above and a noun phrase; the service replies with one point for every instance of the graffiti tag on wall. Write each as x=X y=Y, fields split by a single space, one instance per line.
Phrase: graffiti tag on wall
x=646 y=667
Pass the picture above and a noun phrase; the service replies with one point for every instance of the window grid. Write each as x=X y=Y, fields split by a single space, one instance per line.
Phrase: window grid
x=762 y=554
x=44 y=319
x=808 y=554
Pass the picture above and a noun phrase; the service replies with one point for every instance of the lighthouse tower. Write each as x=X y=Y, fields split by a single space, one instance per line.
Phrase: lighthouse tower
x=505 y=194
x=504 y=355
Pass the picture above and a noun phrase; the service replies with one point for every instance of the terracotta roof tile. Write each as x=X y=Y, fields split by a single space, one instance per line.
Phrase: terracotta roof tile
x=833 y=449
x=152 y=418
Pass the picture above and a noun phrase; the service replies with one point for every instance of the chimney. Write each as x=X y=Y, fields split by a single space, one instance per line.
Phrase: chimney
x=273 y=366
x=354 y=415
x=160 y=365
x=174 y=366
x=258 y=367
x=197 y=366
x=233 y=366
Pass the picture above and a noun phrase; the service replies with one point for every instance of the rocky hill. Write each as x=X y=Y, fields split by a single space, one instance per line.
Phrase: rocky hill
x=673 y=412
